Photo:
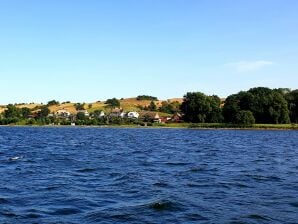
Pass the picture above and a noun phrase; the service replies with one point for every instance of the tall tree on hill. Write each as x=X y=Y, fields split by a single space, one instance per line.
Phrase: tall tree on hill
x=152 y=106
x=113 y=103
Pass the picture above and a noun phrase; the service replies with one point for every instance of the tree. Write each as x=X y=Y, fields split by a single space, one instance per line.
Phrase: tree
x=113 y=102
x=244 y=118
x=25 y=112
x=44 y=112
x=53 y=102
x=267 y=105
x=81 y=116
x=170 y=107
x=146 y=97
x=12 y=112
x=215 y=115
x=80 y=106
x=152 y=106
x=292 y=99
x=199 y=108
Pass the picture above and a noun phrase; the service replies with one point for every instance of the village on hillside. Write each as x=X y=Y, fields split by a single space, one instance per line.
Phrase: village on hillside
x=259 y=105
x=142 y=110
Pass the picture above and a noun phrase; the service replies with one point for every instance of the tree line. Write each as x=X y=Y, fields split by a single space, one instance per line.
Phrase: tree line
x=257 y=105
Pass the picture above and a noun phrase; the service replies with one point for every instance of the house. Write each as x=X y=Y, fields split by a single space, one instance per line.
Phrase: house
x=122 y=114
x=62 y=113
x=102 y=114
x=117 y=112
x=149 y=116
x=133 y=115
x=177 y=117
x=156 y=118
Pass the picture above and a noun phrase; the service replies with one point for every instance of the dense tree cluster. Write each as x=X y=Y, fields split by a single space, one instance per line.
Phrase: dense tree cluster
x=53 y=102
x=267 y=106
x=200 y=108
x=146 y=97
x=257 y=105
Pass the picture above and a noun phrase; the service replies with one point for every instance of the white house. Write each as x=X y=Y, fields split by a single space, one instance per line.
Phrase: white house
x=102 y=114
x=63 y=113
x=133 y=114
x=123 y=114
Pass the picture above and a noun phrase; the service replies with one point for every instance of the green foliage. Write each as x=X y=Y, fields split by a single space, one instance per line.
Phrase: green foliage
x=170 y=108
x=146 y=97
x=44 y=112
x=199 y=108
x=152 y=106
x=113 y=102
x=268 y=106
x=12 y=112
x=80 y=106
x=244 y=118
x=25 y=112
x=81 y=116
x=52 y=103
x=292 y=99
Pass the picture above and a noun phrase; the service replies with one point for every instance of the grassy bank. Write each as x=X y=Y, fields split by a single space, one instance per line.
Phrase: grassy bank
x=229 y=126
x=182 y=125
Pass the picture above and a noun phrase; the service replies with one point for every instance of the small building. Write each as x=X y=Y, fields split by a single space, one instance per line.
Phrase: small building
x=63 y=113
x=133 y=115
x=116 y=112
x=102 y=114
x=177 y=117
x=156 y=118
x=150 y=116
x=122 y=114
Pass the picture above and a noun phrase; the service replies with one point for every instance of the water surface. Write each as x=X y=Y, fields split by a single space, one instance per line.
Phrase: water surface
x=102 y=175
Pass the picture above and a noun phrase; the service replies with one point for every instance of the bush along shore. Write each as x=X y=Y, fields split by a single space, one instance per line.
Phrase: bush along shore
x=257 y=108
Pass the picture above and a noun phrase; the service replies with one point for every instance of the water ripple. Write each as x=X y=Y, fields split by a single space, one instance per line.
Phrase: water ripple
x=111 y=175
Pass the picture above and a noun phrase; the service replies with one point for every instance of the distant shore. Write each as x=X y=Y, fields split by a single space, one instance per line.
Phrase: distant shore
x=206 y=126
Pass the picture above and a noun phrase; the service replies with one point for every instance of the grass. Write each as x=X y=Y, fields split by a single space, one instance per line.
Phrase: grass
x=229 y=126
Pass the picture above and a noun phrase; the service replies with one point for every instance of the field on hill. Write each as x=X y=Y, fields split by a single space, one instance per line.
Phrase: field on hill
x=128 y=104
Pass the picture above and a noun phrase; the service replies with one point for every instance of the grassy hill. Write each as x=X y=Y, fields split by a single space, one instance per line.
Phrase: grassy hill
x=128 y=104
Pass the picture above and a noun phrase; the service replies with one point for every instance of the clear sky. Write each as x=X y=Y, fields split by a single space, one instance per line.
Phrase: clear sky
x=88 y=50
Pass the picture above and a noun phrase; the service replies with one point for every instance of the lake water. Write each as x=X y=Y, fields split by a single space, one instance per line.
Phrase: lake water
x=103 y=175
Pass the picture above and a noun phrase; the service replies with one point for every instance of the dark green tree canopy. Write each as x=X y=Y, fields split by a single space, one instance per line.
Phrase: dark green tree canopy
x=244 y=118
x=12 y=112
x=199 y=108
x=53 y=102
x=146 y=97
x=44 y=112
x=80 y=106
x=113 y=102
x=267 y=105
x=152 y=106
x=292 y=99
x=81 y=116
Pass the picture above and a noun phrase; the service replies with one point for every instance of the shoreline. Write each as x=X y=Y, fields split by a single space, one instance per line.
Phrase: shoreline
x=190 y=126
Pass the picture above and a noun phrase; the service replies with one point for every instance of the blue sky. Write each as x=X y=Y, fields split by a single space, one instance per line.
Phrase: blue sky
x=88 y=50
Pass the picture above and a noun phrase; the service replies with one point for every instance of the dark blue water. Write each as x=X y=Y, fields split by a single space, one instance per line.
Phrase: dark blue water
x=101 y=175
